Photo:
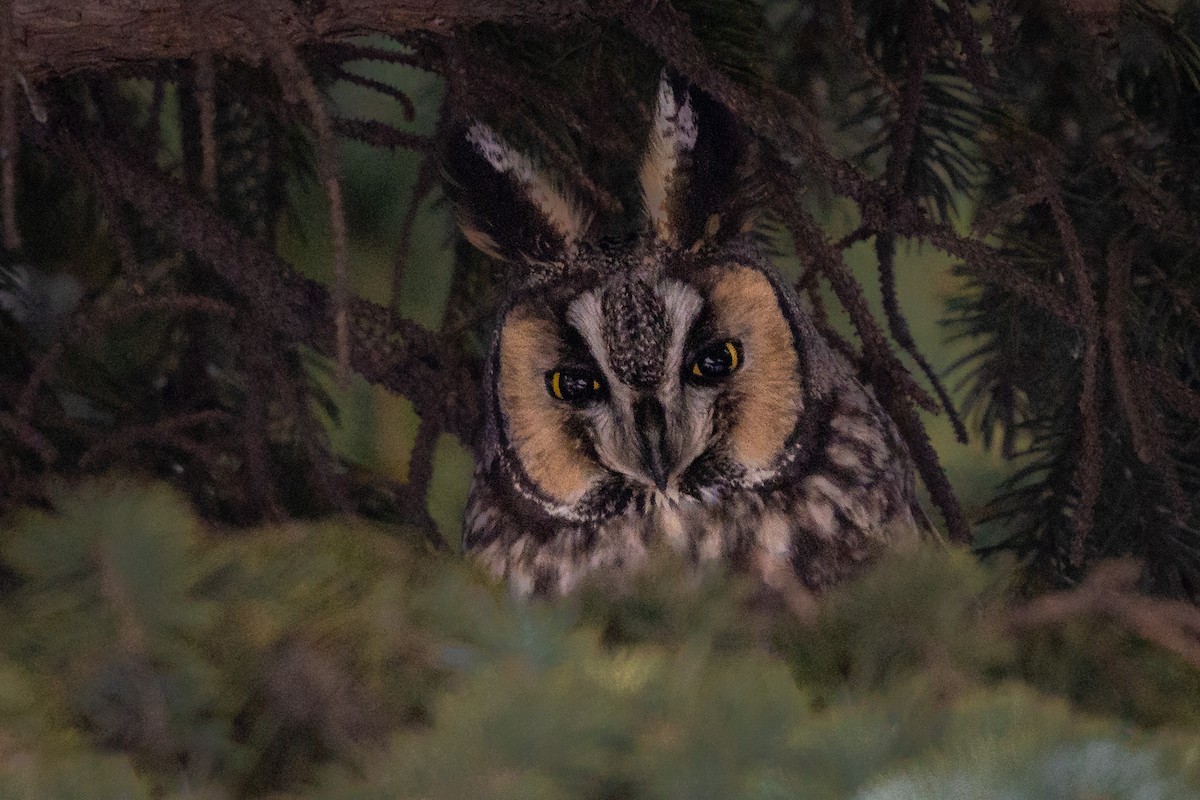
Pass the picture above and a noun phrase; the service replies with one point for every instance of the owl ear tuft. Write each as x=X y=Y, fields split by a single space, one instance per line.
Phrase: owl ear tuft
x=693 y=176
x=506 y=206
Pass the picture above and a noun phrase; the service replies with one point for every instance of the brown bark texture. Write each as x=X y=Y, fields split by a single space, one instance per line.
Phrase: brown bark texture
x=59 y=37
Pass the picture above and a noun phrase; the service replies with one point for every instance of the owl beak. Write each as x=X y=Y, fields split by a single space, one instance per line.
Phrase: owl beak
x=651 y=422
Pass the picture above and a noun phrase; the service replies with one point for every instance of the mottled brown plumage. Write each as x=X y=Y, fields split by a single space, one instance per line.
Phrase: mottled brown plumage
x=670 y=392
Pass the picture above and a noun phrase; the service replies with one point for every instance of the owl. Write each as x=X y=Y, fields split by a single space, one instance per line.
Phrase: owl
x=666 y=389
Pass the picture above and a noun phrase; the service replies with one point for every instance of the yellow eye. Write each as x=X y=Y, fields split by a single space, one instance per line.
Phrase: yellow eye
x=718 y=360
x=578 y=387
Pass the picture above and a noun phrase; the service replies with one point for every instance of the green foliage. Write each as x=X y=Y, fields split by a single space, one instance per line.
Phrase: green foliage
x=71 y=776
x=148 y=655
x=597 y=723
x=1102 y=669
x=243 y=658
x=686 y=723
x=927 y=614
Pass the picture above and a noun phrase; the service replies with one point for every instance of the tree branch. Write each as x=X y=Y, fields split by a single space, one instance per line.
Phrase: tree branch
x=402 y=356
x=58 y=37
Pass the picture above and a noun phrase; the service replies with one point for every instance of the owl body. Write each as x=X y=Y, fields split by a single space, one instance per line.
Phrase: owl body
x=669 y=392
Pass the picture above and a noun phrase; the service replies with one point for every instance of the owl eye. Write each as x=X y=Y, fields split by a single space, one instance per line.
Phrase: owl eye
x=579 y=387
x=718 y=360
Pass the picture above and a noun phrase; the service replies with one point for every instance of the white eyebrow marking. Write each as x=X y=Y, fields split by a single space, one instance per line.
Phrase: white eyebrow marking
x=683 y=304
x=586 y=316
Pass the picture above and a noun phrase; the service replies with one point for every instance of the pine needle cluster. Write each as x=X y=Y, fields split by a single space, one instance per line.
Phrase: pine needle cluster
x=148 y=654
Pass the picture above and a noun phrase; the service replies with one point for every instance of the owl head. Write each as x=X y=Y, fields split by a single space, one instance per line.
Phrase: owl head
x=674 y=364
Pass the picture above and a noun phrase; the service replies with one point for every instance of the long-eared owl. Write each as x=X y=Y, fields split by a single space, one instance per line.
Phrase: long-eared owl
x=668 y=389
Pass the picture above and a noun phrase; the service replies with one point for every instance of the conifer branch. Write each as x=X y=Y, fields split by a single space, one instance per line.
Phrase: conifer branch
x=61 y=37
x=166 y=432
x=1087 y=470
x=404 y=358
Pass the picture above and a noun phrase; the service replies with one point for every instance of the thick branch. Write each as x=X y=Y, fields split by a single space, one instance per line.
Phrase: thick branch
x=405 y=357
x=57 y=37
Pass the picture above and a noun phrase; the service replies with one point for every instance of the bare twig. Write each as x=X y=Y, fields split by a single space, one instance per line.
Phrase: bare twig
x=206 y=101
x=970 y=38
x=1149 y=203
x=1181 y=297
x=122 y=239
x=990 y=266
